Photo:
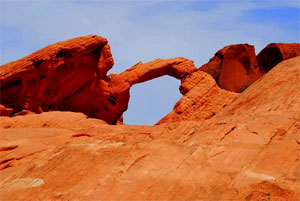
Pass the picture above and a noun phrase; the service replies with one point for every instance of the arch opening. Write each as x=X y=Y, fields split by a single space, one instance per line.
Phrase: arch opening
x=152 y=100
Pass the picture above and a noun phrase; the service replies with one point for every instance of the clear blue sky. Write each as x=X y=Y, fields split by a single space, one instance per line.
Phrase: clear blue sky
x=147 y=30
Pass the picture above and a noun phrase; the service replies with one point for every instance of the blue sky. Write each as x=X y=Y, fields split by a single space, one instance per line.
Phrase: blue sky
x=147 y=30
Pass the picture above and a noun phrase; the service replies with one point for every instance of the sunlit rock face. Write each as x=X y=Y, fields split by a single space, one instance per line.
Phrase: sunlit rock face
x=57 y=141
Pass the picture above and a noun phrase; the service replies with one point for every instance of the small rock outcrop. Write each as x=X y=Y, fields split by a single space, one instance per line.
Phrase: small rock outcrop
x=234 y=67
x=274 y=53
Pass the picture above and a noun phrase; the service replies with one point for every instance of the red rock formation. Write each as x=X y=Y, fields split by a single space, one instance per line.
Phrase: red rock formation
x=214 y=145
x=274 y=53
x=248 y=151
x=71 y=76
x=119 y=84
x=50 y=78
x=201 y=94
x=234 y=67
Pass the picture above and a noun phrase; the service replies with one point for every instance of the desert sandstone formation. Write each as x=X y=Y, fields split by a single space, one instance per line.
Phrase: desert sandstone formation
x=214 y=145
x=71 y=76
x=235 y=67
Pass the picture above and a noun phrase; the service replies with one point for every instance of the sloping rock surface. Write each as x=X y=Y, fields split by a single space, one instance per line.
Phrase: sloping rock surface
x=247 y=151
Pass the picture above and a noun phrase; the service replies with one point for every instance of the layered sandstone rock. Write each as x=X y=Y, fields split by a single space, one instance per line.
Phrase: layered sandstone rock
x=248 y=151
x=71 y=76
x=274 y=53
x=62 y=76
x=234 y=67
x=201 y=94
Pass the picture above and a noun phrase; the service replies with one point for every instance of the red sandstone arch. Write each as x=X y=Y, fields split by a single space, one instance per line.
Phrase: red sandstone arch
x=71 y=76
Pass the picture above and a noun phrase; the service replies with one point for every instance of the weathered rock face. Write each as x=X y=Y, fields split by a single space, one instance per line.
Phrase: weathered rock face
x=248 y=151
x=274 y=53
x=234 y=67
x=201 y=94
x=62 y=76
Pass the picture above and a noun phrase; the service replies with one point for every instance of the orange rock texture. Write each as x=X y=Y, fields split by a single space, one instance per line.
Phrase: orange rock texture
x=214 y=145
x=201 y=94
x=234 y=67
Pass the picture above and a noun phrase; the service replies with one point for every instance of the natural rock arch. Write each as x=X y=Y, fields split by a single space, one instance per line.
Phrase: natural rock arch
x=71 y=76
x=119 y=84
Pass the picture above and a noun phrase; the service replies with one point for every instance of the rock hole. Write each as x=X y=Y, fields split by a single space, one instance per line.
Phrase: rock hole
x=152 y=100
